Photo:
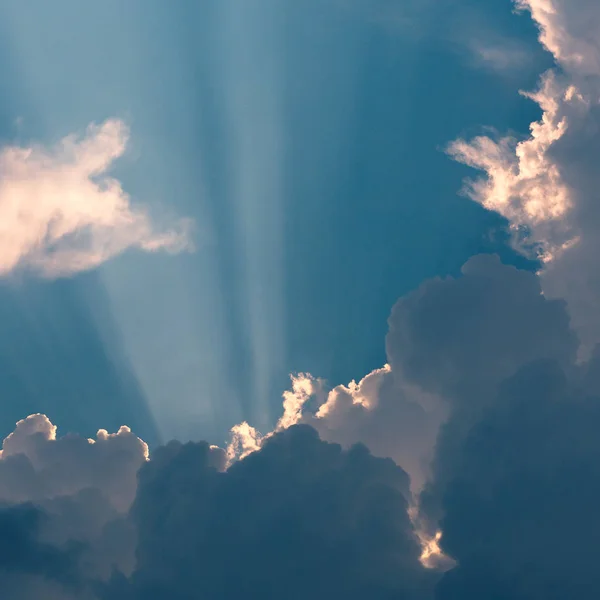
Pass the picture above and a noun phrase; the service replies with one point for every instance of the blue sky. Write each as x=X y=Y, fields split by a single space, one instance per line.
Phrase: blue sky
x=306 y=141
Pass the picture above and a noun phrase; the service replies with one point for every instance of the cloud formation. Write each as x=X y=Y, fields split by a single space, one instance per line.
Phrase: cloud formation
x=391 y=417
x=546 y=184
x=36 y=465
x=29 y=567
x=482 y=378
x=299 y=518
x=68 y=498
x=62 y=213
x=520 y=506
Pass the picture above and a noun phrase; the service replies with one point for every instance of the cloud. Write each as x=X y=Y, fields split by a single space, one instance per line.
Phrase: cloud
x=520 y=507
x=81 y=490
x=482 y=378
x=391 y=417
x=546 y=184
x=36 y=465
x=61 y=213
x=29 y=566
x=458 y=336
x=570 y=33
x=501 y=55
x=298 y=518
x=523 y=183
x=449 y=343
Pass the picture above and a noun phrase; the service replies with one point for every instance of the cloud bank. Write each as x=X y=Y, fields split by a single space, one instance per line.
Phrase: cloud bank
x=482 y=398
x=62 y=213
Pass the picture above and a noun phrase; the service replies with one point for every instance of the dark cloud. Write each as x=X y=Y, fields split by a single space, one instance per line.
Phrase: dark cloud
x=29 y=565
x=461 y=337
x=520 y=510
x=457 y=337
x=300 y=518
x=21 y=551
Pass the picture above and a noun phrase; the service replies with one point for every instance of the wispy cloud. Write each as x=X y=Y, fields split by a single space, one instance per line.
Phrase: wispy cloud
x=62 y=213
x=501 y=55
x=465 y=29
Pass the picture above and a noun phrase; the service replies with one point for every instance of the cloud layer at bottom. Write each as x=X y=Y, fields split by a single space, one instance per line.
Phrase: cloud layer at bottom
x=482 y=399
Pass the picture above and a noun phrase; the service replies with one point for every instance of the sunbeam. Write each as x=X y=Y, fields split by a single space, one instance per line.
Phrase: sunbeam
x=250 y=63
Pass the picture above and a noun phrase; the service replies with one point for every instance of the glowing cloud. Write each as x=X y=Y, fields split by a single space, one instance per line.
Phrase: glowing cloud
x=523 y=182
x=546 y=184
x=61 y=213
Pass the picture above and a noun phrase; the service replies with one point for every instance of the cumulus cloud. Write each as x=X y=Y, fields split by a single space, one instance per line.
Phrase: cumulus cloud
x=459 y=336
x=79 y=492
x=304 y=510
x=449 y=343
x=393 y=418
x=62 y=213
x=546 y=184
x=36 y=465
x=299 y=518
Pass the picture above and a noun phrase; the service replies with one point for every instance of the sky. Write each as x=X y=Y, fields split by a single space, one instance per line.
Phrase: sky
x=300 y=140
x=299 y=299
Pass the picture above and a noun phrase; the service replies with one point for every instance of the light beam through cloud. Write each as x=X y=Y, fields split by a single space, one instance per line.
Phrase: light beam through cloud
x=252 y=81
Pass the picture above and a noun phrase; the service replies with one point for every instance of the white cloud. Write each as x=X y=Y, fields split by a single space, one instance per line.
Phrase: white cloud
x=547 y=184
x=36 y=465
x=523 y=182
x=83 y=487
x=569 y=30
x=61 y=213
x=393 y=419
x=245 y=439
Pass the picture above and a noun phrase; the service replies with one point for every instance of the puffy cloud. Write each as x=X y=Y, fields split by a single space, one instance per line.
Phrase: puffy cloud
x=82 y=490
x=516 y=485
x=461 y=338
x=546 y=184
x=393 y=419
x=450 y=344
x=61 y=213
x=298 y=518
x=457 y=337
x=568 y=31
x=36 y=465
